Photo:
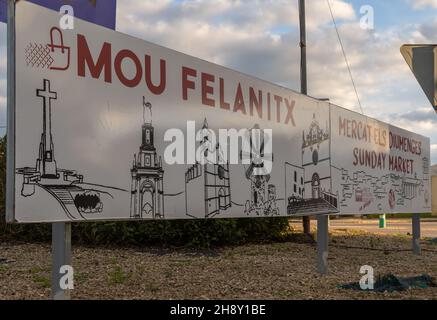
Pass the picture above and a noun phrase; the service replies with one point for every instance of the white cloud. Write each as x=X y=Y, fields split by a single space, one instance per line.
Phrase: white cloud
x=261 y=38
x=420 y=4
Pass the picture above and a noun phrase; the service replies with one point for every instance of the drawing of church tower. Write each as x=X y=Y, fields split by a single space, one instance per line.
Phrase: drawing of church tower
x=309 y=187
x=210 y=180
x=316 y=160
x=147 y=189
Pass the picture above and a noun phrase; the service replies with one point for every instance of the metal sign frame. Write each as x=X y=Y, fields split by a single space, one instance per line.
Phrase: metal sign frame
x=61 y=232
x=307 y=105
x=10 y=147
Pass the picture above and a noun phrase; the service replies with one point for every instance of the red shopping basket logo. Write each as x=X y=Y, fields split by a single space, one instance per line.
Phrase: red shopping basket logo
x=58 y=50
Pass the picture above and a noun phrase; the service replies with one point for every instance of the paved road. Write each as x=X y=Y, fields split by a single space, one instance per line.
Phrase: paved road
x=394 y=226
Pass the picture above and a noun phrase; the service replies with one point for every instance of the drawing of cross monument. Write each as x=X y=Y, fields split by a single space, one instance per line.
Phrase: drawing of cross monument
x=78 y=199
x=46 y=163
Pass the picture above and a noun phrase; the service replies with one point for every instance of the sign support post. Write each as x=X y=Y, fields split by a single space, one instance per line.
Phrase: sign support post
x=416 y=234
x=382 y=221
x=322 y=244
x=61 y=256
x=10 y=148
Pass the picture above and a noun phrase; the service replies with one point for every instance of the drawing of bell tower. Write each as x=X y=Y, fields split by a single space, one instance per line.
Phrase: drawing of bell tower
x=210 y=179
x=316 y=160
x=147 y=189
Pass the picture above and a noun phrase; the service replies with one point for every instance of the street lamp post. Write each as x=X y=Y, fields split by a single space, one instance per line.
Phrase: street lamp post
x=303 y=79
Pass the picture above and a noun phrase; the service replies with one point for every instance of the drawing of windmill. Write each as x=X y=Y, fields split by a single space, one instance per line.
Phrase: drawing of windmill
x=263 y=201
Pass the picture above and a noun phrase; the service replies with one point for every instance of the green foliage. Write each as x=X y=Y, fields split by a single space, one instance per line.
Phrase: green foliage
x=118 y=276
x=43 y=281
x=195 y=233
x=16 y=232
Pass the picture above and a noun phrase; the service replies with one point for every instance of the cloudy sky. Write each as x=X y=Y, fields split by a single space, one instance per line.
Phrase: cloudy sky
x=260 y=38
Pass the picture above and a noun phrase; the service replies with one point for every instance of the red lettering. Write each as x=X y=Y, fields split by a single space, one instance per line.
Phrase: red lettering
x=123 y=54
x=278 y=100
x=223 y=104
x=239 y=101
x=290 y=108
x=354 y=129
x=256 y=102
x=207 y=89
x=103 y=62
x=187 y=84
x=342 y=126
x=269 y=107
x=355 y=152
x=159 y=89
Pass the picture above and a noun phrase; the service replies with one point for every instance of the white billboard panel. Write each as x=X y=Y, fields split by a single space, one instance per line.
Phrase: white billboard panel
x=377 y=167
x=100 y=116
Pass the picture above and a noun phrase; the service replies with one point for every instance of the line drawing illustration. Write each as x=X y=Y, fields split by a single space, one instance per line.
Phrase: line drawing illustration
x=147 y=187
x=263 y=197
x=308 y=186
x=79 y=199
x=395 y=189
x=212 y=180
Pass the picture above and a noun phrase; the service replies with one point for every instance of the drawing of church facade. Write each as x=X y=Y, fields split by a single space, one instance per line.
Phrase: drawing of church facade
x=147 y=187
x=210 y=180
x=316 y=161
x=309 y=186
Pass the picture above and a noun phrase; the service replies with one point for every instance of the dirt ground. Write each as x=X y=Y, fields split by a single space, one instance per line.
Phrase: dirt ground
x=262 y=271
x=397 y=226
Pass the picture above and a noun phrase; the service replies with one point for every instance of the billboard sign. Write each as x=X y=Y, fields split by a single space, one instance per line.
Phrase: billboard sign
x=110 y=127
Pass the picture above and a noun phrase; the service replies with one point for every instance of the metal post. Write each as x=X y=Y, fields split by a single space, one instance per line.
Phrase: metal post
x=303 y=81
x=382 y=221
x=61 y=256
x=10 y=148
x=322 y=244
x=303 y=48
x=416 y=234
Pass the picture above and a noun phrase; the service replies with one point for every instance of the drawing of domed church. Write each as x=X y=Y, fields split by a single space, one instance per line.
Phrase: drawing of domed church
x=309 y=186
